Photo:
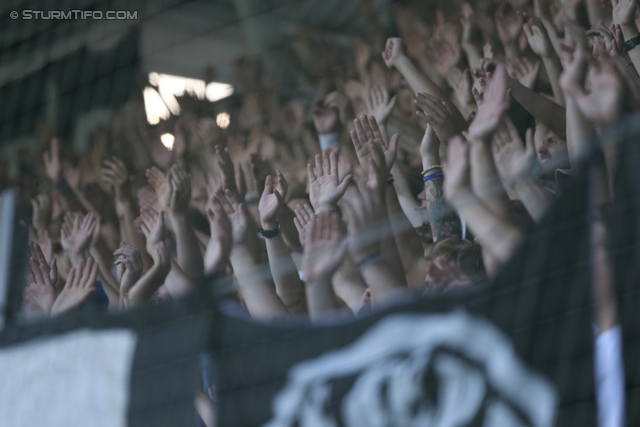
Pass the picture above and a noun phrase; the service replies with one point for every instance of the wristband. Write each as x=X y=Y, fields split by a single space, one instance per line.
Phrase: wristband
x=432 y=176
x=390 y=179
x=370 y=260
x=327 y=140
x=430 y=168
x=270 y=234
x=631 y=43
x=336 y=210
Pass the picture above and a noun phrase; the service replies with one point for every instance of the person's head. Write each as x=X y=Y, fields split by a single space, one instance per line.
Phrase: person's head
x=454 y=260
x=551 y=150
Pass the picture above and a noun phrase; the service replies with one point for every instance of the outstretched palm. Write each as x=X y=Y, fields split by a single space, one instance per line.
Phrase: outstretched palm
x=325 y=187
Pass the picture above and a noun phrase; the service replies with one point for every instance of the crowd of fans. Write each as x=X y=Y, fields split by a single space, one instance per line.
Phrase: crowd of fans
x=418 y=167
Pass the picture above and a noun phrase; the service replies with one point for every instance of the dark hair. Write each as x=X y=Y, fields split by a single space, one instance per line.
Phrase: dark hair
x=465 y=253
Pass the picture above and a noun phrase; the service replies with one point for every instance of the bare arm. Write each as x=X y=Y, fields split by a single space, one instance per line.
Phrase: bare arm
x=285 y=274
x=549 y=113
x=515 y=164
x=624 y=14
x=176 y=199
x=324 y=251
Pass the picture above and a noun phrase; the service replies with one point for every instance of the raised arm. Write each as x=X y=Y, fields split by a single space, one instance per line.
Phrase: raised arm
x=368 y=223
x=485 y=181
x=283 y=269
x=116 y=175
x=324 y=251
x=259 y=295
x=624 y=14
x=516 y=163
x=497 y=235
x=175 y=199
x=540 y=43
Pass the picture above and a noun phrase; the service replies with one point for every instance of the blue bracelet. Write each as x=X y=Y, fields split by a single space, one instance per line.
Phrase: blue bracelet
x=370 y=260
x=431 y=176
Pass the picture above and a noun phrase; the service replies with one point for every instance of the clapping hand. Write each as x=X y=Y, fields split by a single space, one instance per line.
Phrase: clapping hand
x=220 y=243
x=130 y=266
x=78 y=289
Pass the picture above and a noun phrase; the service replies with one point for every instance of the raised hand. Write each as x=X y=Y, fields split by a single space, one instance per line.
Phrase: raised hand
x=153 y=227
x=524 y=71
x=52 y=164
x=624 y=12
x=129 y=262
x=393 y=51
x=603 y=104
x=178 y=191
x=444 y=55
x=46 y=244
x=468 y=23
x=147 y=198
x=116 y=175
x=366 y=130
x=232 y=177
x=364 y=209
x=515 y=161
x=509 y=24
x=538 y=37
x=379 y=105
x=78 y=289
x=156 y=179
x=304 y=217
x=41 y=279
x=216 y=256
x=495 y=104
x=77 y=232
x=325 y=186
x=237 y=214
x=325 y=248
x=462 y=83
x=433 y=111
x=41 y=206
x=271 y=201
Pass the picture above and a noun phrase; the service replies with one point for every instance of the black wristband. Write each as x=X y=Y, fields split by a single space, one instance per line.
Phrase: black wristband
x=270 y=234
x=631 y=43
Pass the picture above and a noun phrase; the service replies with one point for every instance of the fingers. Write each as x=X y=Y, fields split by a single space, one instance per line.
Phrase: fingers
x=529 y=143
x=53 y=272
x=375 y=130
x=89 y=274
x=281 y=184
x=342 y=187
x=310 y=173
x=268 y=185
x=317 y=170
x=37 y=272
x=225 y=200
x=78 y=277
x=333 y=165
x=326 y=163
x=361 y=137
x=36 y=251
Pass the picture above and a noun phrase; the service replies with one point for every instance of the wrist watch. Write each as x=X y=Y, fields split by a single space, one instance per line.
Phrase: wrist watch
x=269 y=234
x=631 y=43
